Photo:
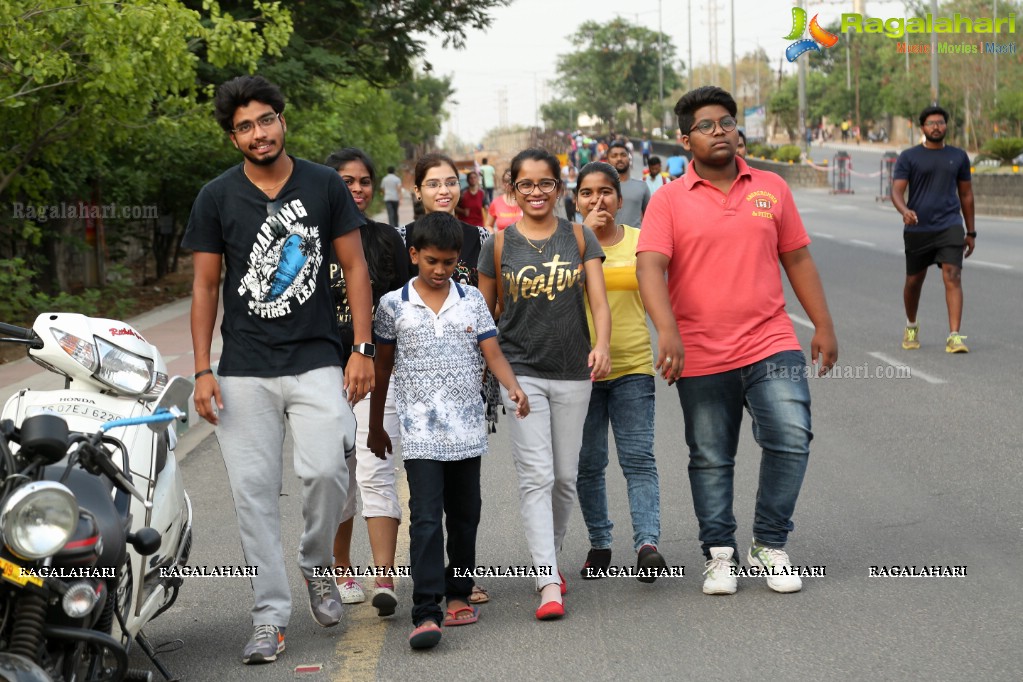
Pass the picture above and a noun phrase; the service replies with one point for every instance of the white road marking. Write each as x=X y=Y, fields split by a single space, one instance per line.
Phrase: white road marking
x=860 y=242
x=916 y=374
x=987 y=264
x=802 y=321
x=823 y=235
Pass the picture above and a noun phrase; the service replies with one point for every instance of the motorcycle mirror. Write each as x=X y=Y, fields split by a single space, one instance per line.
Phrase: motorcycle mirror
x=176 y=393
x=145 y=541
x=44 y=437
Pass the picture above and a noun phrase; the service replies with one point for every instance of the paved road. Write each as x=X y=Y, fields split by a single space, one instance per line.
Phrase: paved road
x=906 y=470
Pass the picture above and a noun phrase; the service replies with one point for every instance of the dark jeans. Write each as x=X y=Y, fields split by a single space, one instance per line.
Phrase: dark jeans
x=775 y=393
x=392 y=213
x=438 y=490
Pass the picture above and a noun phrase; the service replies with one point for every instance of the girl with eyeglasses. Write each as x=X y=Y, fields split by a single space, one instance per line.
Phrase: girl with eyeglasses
x=625 y=398
x=549 y=269
x=437 y=187
x=388 y=270
x=504 y=210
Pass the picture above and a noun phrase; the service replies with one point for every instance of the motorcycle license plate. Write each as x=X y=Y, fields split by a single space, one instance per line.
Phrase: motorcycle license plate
x=13 y=573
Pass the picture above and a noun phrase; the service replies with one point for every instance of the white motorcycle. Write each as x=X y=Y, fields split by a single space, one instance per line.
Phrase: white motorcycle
x=111 y=373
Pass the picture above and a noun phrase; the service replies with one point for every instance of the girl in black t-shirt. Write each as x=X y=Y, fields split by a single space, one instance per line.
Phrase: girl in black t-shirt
x=388 y=270
x=437 y=187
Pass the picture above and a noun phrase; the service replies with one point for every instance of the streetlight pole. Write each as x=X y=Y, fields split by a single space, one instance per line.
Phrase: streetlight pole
x=934 y=56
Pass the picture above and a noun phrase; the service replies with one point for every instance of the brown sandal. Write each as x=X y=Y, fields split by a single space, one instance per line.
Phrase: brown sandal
x=478 y=595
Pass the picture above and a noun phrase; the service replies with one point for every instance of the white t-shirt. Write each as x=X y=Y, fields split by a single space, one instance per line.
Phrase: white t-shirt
x=391 y=184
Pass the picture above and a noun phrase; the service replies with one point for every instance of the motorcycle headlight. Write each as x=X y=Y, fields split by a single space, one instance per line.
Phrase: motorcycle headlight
x=123 y=370
x=38 y=519
x=83 y=351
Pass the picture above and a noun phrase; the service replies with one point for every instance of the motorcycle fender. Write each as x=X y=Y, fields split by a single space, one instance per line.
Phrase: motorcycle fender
x=21 y=669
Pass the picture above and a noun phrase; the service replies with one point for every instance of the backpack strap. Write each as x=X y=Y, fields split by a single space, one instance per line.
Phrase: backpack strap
x=498 y=277
x=580 y=242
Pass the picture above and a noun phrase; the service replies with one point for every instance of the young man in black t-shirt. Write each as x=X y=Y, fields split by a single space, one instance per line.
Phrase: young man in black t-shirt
x=940 y=200
x=272 y=220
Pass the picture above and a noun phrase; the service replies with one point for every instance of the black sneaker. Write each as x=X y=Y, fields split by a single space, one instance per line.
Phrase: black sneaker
x=649 y=560
x=597 y=561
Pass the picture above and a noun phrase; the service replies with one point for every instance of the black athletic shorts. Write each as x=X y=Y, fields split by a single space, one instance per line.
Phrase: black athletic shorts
x=924 y=249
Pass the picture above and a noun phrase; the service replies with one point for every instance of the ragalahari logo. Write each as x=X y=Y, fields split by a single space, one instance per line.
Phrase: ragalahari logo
x=818 y=36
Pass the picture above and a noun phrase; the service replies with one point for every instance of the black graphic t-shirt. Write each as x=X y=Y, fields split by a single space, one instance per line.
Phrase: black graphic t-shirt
x=399 y=260
x=278 y=309
x=465 y=270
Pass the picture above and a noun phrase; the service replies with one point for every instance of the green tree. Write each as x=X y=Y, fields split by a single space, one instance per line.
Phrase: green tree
x=616 y=63
x=76 y=78
x=560 y=115
x=378 y=41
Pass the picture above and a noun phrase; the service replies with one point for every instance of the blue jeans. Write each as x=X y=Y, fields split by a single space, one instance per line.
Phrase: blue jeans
x=775 y=393
x=628 y=404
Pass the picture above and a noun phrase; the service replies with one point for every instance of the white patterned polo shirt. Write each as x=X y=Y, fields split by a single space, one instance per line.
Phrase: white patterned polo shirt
x=438 y=370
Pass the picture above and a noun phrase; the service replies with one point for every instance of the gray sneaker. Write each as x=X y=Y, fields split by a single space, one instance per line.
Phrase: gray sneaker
x=324 y=601
x=267 y=641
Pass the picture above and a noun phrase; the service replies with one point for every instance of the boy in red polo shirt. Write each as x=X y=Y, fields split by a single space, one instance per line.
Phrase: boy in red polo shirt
x=719 y=233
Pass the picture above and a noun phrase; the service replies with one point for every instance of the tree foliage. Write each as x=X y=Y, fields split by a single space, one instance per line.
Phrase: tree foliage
x=560 y=115
x=614 y=63
x=111 y=102
x=78 y=78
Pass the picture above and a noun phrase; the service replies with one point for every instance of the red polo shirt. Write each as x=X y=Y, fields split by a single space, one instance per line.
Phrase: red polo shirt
x=724 y=278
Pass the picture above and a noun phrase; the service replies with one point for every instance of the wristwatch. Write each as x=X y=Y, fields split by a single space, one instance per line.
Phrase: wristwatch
x=367 y=349
x=971 y=234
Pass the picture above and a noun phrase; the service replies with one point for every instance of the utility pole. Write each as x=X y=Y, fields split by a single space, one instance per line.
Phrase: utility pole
x=801 y=65
x=689 y=23
x=660 y=67
x=733 y=47
x=934 y=56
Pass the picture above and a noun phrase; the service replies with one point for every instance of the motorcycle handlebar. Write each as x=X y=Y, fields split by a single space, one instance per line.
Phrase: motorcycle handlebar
x=20 y=333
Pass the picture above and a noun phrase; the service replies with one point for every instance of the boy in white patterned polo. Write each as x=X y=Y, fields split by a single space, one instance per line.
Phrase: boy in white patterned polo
x=432 y=333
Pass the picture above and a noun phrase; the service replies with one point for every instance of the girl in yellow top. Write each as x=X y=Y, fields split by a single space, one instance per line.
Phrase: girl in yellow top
x=625 y=398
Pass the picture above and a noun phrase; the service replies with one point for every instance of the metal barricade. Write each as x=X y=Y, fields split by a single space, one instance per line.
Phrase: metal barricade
x=841 y=178
x=887 y=176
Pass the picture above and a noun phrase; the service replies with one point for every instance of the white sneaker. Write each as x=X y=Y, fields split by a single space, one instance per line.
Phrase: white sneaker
x=720 y=572
x=775 y=560
x=351 y=592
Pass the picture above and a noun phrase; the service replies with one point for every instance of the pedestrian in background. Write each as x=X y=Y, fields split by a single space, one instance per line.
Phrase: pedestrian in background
x=473 y=202
x=940 y=201
x=635 y=193
x=504 y=210
x=488 y=178
x=390 y=186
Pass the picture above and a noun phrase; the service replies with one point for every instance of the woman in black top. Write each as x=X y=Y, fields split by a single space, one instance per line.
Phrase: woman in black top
x=437 y=187
x=388 y=270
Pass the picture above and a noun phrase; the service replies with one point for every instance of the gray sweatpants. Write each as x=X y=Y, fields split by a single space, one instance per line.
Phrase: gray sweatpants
x=545 y=446
x=251 y=435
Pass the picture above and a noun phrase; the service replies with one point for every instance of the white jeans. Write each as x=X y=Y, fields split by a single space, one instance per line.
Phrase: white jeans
x=374 y=476
x=545 y=446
